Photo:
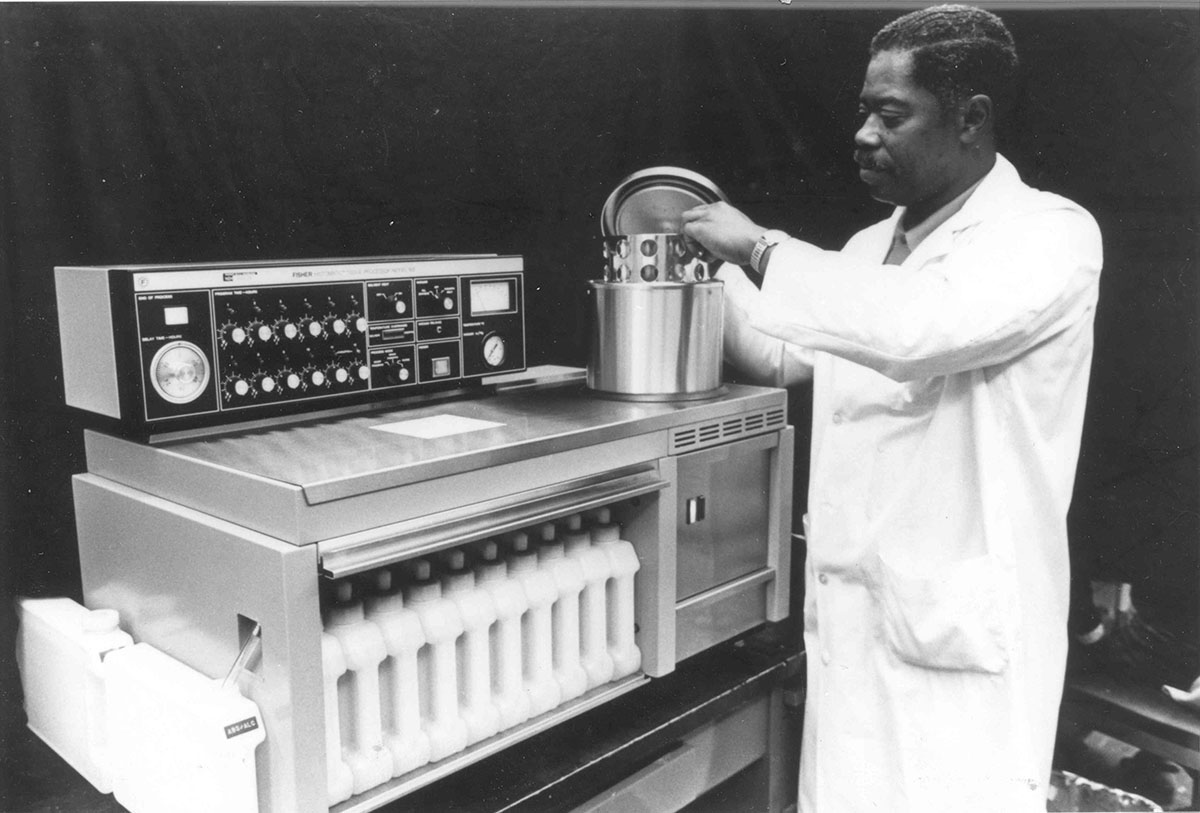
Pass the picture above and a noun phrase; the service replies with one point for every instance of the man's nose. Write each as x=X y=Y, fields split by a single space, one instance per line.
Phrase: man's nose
x=867 y=135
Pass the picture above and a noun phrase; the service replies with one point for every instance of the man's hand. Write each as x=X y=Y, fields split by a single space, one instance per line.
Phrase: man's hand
x=723 y=230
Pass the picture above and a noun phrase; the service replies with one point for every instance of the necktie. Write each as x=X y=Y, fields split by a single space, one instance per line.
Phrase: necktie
x=899 y=252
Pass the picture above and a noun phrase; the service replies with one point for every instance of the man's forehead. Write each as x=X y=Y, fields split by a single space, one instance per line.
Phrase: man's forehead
x=889 y=77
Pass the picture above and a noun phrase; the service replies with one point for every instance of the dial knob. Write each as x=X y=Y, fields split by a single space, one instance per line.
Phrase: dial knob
x=265 y=333
x=400 y=305
x=338 y=326
x=179 y=372
x=341 y=375
x=290 y=330
x=267 y=384
x=364 y=372
x=293 y=381
x=315 y=329
x=317 y=378
x=360 y=324
x=241 y=386
x=235 y=334
x=448 y=303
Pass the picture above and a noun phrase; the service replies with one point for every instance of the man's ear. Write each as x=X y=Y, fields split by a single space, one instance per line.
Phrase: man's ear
x=976 y=118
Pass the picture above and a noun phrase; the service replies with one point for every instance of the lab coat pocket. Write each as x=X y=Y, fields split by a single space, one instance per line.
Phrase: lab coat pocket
x=957 y=616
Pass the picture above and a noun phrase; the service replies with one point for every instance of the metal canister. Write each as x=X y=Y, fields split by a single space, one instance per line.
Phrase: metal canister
x=659 y=315
x=657 y=341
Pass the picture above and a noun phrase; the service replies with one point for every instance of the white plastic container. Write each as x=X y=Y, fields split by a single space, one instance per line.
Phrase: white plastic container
x=399 y=694
x=593 y=613
x=61 y=648
x=473 y=650
x=606 y=536
x=508 y=688
x=358 y=690
x=180 y=741
x=437 y=676
x=568 y=580
x=537 y=641
x=339 y=780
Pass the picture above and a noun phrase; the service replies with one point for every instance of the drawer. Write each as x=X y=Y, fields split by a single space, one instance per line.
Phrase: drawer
x=722 y=613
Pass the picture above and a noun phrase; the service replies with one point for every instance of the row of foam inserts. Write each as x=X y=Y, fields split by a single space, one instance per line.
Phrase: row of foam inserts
x=427 y=657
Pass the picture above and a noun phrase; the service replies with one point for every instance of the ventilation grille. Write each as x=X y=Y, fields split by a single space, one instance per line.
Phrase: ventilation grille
x=702 y=435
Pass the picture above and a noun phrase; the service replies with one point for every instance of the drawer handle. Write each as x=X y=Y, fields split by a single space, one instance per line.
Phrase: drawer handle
x=695 y=510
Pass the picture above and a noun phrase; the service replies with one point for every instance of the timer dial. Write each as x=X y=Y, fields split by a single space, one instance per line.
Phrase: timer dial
x=179 y=372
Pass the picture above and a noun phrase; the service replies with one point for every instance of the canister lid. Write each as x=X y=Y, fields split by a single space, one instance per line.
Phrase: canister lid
x=651 y=201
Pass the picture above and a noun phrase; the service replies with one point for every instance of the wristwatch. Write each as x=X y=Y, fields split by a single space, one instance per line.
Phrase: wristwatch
x=770 y=237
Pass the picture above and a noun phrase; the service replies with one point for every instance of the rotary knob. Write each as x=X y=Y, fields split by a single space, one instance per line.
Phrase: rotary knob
x=267 y=383
x=261 y=332
x=237 y=387
x=335 y=325
x=232 y=334
x=290 y=380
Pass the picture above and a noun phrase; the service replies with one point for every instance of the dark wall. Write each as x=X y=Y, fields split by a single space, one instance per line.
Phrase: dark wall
x=147 y=133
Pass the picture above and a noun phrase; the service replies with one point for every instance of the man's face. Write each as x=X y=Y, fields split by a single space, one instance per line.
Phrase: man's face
x=907 y=148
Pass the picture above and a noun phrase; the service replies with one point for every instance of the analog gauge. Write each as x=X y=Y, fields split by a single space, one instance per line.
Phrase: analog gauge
x=494 y=350
x=179 y=372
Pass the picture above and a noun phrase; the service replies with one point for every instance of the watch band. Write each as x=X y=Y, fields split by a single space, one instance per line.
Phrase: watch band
x=771 y=237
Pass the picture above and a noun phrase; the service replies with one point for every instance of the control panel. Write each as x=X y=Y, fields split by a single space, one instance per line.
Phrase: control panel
x=165 y=348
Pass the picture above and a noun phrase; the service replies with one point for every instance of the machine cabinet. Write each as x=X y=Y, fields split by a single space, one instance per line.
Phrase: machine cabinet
x=196 y=542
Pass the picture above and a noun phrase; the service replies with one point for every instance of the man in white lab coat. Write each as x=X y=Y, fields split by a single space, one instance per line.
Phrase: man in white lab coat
x=950 y=347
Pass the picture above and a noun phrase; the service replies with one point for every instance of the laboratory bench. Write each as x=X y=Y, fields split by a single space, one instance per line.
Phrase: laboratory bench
x=721 y=732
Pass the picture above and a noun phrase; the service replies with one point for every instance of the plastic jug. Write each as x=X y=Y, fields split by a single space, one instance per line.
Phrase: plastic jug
x=339 y=780
x=593 y=614
x=508 y=688
x=536 y=632
x=181 y=741
x=606 y=536
x=61 y=647
x=568 y=580
x=400 y=699
x=437 y=676
x=363 y=649
x=474 y=655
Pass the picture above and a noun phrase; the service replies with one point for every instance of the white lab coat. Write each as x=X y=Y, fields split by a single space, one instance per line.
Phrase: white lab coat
x=948 y=404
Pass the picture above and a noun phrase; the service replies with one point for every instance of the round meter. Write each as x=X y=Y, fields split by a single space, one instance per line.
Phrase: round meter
x=494 y=350
x=179 y=372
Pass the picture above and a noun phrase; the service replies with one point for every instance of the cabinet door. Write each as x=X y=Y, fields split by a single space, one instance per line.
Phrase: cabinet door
x=723 y=515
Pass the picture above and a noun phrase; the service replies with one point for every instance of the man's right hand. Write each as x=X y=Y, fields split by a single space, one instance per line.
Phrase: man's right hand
x=723 y=230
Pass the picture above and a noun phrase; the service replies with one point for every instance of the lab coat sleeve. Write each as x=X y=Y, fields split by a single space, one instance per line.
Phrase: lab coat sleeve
x=999 y=289
x=762 y=358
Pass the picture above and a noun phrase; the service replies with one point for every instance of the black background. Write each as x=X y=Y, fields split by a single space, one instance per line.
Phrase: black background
x=171 y=133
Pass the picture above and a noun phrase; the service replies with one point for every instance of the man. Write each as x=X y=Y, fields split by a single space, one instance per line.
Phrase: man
x=950 y=347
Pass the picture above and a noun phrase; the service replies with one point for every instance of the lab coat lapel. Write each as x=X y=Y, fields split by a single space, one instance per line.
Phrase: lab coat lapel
x=996 y=190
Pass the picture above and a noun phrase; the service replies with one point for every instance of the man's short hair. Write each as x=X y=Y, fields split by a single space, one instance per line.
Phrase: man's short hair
x=957 y=52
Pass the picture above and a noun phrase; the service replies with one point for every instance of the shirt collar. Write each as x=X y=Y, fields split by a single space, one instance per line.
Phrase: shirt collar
x=912 y=237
